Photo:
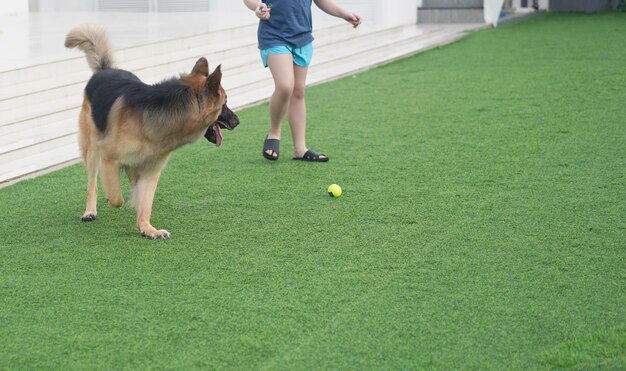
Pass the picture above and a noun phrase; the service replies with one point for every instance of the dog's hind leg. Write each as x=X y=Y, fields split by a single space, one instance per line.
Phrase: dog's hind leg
x=91 y=159
x=143 y=197
x=110 y=176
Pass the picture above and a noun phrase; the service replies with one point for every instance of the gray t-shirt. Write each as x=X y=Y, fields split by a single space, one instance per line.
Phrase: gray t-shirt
x=290 y=24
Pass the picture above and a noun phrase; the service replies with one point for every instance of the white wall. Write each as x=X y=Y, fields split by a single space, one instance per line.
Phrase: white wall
x=92 y=5
x=380 y=12
x=63 y=6
x=400 y=11
x=227 y=6
x=8 y=7
x=12 y=36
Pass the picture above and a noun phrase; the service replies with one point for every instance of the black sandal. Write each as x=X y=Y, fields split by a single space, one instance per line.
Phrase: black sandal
x=312 y=156
x=271 y=145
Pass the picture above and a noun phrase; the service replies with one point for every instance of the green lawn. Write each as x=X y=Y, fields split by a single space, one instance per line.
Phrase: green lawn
x=482 y=226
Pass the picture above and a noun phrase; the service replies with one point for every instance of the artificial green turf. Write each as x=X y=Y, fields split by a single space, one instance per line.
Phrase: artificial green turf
x=482 y=226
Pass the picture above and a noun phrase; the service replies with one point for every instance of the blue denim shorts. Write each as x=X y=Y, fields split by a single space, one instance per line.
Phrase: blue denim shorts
x=301 y=56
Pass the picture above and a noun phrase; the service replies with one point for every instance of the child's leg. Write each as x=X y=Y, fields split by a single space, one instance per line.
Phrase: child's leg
x=297 y=111
x=281 y=67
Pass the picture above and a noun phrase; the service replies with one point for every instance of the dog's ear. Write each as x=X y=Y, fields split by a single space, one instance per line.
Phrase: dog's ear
x=214 y=80
x=201 y=67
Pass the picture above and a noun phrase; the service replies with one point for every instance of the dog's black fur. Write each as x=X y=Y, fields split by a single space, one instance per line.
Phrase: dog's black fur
x=125 y=124
x=107 y=85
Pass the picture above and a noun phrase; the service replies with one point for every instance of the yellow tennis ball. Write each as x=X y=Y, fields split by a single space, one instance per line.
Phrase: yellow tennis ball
x=334 y=190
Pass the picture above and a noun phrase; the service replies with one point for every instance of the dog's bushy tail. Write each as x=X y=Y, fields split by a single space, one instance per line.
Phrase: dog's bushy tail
x=92 y=40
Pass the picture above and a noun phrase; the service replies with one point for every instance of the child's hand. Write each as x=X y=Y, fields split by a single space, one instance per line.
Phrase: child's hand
x=263 y=12
x=353 y=18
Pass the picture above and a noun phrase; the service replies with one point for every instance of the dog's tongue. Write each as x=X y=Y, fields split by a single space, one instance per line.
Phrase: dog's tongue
x=218 y=135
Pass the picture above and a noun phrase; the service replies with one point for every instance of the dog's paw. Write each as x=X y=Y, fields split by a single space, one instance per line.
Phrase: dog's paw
x=157 y=235
x=88 y=217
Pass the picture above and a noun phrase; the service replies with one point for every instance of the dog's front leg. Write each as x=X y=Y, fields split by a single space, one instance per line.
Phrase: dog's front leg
x=143 y=196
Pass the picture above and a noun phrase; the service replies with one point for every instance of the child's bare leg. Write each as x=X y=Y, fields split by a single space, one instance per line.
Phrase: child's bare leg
x=297 y=111
x=281 y=67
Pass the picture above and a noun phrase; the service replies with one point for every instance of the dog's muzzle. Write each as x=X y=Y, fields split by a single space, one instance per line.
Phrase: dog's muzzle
x=226 y=120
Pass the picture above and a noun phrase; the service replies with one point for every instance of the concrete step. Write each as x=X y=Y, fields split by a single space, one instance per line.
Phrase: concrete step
x=352 y=54
x=234 y=56
x=438 y=4
x=63 y=100
x=248 y=77
x=41 y=129
x=450 y=15
x=59 y=93
x=29 y=80
x=38 y=124
x=49 y=72
x=353 y=63
x=51 y=154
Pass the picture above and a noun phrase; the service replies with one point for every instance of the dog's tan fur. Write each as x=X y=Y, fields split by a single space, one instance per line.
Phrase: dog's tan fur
x=136 y=140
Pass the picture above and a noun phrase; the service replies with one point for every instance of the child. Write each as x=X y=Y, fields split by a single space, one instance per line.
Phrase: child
x=285 y=40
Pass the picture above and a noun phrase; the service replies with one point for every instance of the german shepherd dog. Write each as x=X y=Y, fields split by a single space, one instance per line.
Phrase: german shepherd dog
x=125 y=124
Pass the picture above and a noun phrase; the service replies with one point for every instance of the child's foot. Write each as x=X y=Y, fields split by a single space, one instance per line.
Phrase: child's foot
x=312 y=156
x=270 y=149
